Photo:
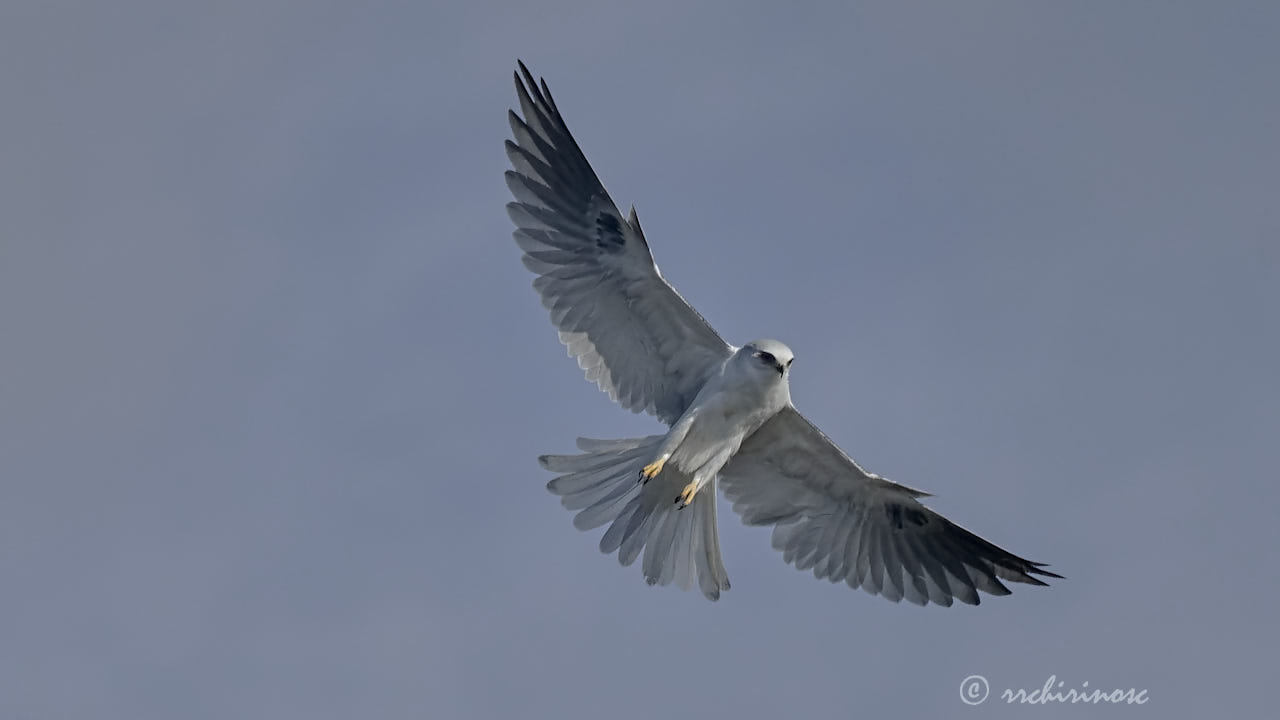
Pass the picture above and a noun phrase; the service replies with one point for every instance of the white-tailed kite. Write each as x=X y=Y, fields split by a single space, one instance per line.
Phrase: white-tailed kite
x=728 y=410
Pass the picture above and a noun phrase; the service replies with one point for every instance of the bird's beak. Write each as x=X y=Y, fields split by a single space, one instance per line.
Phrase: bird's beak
x=782 y=369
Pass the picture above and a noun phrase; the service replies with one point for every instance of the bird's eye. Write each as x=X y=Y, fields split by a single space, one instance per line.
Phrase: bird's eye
x=767 y=357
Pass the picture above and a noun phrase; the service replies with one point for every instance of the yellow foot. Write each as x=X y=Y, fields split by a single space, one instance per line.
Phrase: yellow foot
x=686 y=495
x=651 y=470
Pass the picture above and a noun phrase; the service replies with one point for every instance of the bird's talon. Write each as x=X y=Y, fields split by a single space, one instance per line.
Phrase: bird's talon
x=651 y=470
x=686 y=495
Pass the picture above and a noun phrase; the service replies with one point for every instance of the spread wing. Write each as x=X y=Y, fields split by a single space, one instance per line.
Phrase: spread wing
x=847 y=524
x=630 y=330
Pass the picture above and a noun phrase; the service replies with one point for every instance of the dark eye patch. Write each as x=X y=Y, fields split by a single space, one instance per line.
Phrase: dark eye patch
x=767 y=357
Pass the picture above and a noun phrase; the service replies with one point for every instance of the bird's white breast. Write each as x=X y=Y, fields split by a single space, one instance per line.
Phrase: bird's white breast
x=730 y=408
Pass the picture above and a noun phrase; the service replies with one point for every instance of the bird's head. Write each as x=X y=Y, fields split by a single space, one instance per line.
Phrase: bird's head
x=766 y=356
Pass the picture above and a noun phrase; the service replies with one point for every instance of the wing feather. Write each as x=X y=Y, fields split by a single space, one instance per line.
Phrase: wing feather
x=630 y=331
x=847 y=524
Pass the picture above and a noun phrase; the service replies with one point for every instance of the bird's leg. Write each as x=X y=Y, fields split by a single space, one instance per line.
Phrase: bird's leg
x=686 y=495
x=703 y=476
x=651 y=470
x=674 y=437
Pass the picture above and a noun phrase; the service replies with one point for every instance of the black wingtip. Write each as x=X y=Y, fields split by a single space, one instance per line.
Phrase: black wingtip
x=524 y=79
x=515 y=75
x=546 y=94
x=1039 y=569
x=537 y=89
x=528 y=78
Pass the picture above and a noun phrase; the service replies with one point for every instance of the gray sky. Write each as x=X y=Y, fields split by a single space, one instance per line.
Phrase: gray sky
x=274 y=378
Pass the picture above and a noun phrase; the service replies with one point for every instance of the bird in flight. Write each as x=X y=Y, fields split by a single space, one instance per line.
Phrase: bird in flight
x=728 y=410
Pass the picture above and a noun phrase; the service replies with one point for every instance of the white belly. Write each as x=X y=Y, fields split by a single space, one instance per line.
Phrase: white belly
x=719 y=426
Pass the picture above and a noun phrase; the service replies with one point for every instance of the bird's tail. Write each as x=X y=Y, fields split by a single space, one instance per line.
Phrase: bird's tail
x=602 y=484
